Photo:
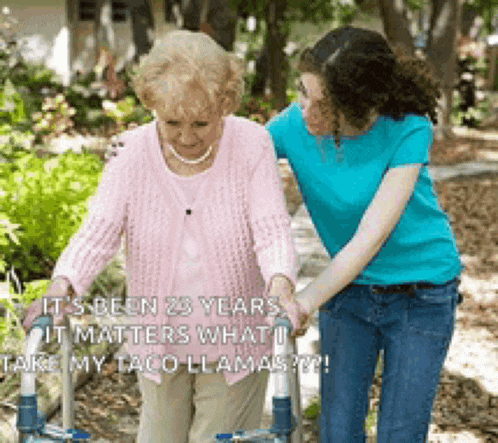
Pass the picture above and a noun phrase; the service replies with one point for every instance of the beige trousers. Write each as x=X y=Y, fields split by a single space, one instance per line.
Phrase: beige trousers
x=192 y=408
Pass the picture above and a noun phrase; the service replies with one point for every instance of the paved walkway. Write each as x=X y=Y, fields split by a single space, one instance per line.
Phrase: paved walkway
x=462 y=169
x=313 y=258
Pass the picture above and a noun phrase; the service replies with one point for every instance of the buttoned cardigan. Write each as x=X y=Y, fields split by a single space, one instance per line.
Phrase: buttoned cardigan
x=239 y=217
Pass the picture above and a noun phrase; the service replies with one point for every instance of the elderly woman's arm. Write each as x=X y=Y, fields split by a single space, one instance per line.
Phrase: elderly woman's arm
x=99 y=237
x=271 y=224
x=97 y=240
x=377 y=223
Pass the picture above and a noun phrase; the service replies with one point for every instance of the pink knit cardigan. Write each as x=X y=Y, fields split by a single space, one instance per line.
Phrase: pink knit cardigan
x=239 y=216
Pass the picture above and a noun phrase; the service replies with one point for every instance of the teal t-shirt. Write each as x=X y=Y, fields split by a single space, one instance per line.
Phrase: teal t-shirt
x=421 y=248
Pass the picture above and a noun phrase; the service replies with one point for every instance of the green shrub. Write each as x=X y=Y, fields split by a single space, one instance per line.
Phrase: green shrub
x=126 y=111
x=476 y=114
x=11 y=333
x=312 y=411
x=30 y=80
x=47 y=200
x=7 y=236
x=54 y=119
x=11 y=105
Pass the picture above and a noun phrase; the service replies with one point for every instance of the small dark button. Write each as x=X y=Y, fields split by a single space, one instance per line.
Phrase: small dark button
x=189 y=211
x=384 y=304
x=120 y=144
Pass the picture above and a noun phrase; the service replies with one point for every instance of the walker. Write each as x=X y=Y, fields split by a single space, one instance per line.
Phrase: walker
x=287 y=422
x=286 y=427
x=30 y=422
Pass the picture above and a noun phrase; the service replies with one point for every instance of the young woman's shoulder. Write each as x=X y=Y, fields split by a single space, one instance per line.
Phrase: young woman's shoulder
x=290 y=117
x=393 y=129
x=407 y=121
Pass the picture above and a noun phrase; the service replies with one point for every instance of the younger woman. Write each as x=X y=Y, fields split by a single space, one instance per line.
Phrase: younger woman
x=358 y=144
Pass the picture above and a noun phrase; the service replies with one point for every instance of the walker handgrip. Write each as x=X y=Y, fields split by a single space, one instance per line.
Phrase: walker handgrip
x=283 y=321
x=43 y=322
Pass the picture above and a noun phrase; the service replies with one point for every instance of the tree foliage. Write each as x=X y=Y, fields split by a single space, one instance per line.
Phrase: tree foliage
x=314 y=11
x=278 y=16
x=45 y=200
x=440 y=50
x=487 y=9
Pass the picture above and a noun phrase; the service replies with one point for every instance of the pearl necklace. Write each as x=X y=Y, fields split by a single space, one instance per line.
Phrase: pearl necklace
x=191 y=162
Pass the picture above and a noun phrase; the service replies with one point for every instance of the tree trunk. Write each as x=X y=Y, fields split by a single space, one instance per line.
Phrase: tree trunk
x=396 y=24
x=96 y=27
x=468 y=16
x=204 y=11
x=276 y=36
x=103 y=35
x=103 y=26
x=441 y=53
x=219 y=20
x=142 y=25
x=441 y=47
x=204 y=25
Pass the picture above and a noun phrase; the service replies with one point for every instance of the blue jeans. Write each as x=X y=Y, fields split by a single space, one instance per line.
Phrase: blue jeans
x=414 y=332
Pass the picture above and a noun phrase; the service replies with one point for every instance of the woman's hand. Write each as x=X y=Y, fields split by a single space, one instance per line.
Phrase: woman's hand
x=297 y=314
x=282 y=289
x=60 y=287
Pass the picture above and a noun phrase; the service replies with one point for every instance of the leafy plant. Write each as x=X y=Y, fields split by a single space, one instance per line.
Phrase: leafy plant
x=255 y=108
x=125 y=111
x=86 y=95
x=46 y=199
x=7 y=235
x=34 y=290
x=20 y=81
x=11 y=332
x=54 y=119
x=11 y=105
x=474 y=115
x=312 y=411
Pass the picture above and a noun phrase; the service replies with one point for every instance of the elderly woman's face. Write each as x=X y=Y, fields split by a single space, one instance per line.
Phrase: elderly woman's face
x=190 y=135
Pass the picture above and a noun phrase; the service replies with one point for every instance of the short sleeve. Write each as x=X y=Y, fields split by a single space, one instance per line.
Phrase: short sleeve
x=278 y=127
x=414 y=145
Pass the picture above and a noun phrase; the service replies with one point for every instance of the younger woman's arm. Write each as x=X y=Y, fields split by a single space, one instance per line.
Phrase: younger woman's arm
x=377 y=223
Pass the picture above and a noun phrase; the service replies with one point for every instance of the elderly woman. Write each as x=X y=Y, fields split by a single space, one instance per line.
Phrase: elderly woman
x=359 y=144
x=199 y=199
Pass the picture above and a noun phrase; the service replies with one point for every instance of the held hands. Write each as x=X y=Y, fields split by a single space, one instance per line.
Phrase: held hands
x=297 y=315
x=281 y=288
x=60 y=287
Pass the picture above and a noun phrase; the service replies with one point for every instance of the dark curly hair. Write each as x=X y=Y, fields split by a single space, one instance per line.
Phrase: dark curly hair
x=361 y=72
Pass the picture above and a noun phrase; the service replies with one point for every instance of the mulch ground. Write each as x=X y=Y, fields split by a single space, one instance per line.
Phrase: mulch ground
x=108 y=406
x=462 y=149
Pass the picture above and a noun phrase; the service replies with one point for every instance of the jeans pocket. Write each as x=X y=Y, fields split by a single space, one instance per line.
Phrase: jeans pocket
x=432 y=311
